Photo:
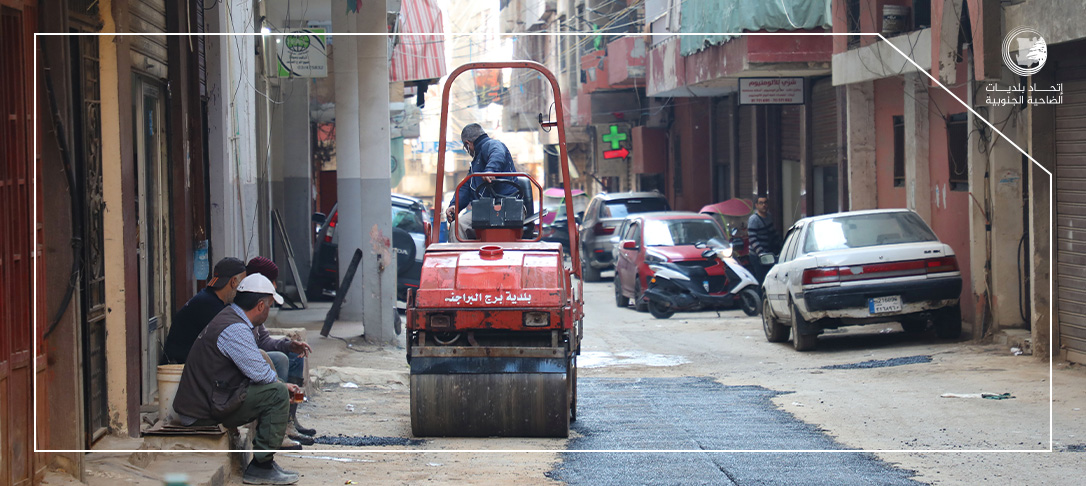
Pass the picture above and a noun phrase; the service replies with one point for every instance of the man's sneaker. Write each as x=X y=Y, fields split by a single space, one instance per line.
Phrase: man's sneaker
x=289 y=445
x=267 y=473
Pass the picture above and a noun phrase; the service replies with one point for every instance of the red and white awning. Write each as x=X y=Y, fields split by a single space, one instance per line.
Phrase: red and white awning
x=420 y=56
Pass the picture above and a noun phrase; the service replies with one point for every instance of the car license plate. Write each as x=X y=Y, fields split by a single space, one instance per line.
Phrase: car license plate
x=882 y=305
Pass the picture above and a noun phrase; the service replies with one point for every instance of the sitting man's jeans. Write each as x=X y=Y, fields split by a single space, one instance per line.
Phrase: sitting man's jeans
x=289 y=366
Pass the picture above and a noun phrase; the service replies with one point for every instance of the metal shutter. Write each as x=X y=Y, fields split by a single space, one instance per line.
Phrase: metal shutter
x=824 y=123
x=722 y=148
x=1070 y=180
x=746 y=153
x=149 y=52
x=790 y=132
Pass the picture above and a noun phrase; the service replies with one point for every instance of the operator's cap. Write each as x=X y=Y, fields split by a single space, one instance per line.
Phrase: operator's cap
x=259 y=284
x=224 y=271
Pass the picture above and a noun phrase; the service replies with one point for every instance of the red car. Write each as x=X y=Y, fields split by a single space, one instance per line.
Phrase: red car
x=658 y=237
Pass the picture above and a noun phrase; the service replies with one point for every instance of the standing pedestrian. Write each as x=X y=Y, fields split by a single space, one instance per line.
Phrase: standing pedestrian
x=763 y=235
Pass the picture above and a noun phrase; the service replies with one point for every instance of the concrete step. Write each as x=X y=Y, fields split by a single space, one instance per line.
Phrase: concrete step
x=60 y=479
x=1015 y=338
x=149 y=459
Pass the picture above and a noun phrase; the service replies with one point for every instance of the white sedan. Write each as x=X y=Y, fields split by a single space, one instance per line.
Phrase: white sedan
x=861 y=267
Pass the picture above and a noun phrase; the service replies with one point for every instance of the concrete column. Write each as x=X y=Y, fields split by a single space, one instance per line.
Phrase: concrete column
x=119 y=248
x=862 y=182
x=996 y=179
x=1041 y=132
x=917 y=173
x=232 y=167
x=365 y=221
x=297 y=172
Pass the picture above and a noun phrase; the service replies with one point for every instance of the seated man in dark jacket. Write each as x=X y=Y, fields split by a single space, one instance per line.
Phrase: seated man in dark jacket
x=227 y=380
x=488 y=155
x=202 y=307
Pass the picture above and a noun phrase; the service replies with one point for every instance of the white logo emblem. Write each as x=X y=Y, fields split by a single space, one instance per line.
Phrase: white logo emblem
x=1024 y=51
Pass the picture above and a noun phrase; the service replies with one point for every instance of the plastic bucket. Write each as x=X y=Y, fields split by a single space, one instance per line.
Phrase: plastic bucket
x=895 y=19
x=169 y=377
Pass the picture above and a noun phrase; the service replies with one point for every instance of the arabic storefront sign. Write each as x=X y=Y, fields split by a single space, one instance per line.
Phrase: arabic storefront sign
x=771 y=91
x=1019 y=95
x=301 y=54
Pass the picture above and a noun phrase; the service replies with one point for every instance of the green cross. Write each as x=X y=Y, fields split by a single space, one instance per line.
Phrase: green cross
x=614 y=137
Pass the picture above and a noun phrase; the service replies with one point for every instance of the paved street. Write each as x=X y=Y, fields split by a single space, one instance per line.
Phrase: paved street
x=701 y=382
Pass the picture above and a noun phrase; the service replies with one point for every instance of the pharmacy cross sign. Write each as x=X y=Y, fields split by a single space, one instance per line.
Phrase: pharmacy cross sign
x=614 y=137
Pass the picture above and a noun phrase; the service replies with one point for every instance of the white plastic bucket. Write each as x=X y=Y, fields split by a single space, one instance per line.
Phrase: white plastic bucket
x=895 y=19
x=169 y=377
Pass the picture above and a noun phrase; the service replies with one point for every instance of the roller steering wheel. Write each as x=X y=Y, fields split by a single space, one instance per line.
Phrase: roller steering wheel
x=478 y=190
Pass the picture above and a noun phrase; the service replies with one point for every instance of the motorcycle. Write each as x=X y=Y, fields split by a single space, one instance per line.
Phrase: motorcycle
x=719 y=282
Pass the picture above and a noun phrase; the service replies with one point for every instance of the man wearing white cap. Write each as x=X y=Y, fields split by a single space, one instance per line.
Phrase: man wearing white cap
x=227 y=380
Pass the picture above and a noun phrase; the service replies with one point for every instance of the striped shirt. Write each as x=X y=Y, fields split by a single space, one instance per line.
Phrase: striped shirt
x=238 y=344
x=762 y=234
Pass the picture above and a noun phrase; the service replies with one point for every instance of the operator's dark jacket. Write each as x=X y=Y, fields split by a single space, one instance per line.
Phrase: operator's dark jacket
x=490 y=156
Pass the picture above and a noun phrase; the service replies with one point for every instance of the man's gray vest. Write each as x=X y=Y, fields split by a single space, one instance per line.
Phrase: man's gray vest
x=212 y=386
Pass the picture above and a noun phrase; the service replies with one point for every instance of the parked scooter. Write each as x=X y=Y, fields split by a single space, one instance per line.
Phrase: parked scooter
x=723 y=283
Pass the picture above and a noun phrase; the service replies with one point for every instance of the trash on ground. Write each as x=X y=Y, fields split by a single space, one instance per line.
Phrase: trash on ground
x=434 y=464
x=990 y=396
x=797 y=404
x=350 y=407
x=348 y=385
x=1016 y=351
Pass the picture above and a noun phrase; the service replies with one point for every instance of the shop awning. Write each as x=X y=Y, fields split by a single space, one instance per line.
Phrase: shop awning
x=422 y=55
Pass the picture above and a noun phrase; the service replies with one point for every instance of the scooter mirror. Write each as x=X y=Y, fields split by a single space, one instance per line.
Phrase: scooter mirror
x=707 y=254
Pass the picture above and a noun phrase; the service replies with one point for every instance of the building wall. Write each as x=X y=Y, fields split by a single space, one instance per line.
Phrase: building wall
x=950 y=209
x=64 y=411
x=889 y=102
x=691 y=132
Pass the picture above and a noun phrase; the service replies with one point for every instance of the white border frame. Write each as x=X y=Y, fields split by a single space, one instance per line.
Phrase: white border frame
x=1051 y=289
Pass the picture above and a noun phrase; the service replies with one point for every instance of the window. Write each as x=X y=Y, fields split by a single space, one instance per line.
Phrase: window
x=899 y=151
x=623 y=207
x=676 y=232
x=866 y=230
x=789 y=244
x=852 y=12
x=957 y=144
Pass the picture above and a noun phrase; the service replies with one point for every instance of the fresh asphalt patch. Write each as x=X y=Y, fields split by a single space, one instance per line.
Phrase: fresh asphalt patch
x=620 y=416
x=366 y=440
x=881 y=363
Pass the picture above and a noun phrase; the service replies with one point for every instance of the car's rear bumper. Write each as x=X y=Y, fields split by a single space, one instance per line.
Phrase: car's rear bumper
x=851 y=301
